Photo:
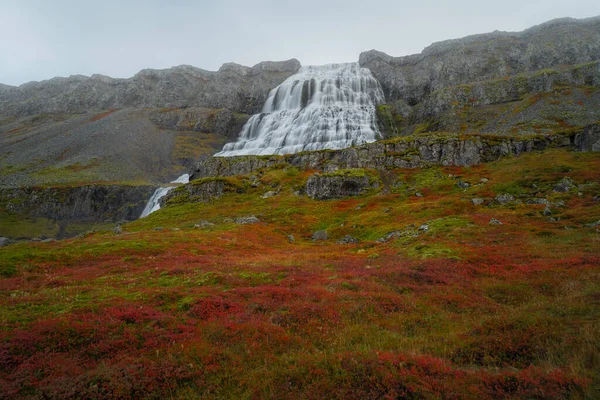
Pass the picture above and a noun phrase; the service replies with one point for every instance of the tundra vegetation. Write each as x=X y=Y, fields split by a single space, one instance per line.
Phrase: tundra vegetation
x=432 y=301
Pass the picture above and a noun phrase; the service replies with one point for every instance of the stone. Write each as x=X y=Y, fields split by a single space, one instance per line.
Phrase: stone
x=203 y=224
x=4 y=241
x=159 y=228
x=251 y=219
x=175 y=229
x=463 y=184
x=424 y=228
x=418 y=194
x=49 y=240
x=348 y=239
x=484 y=180
x=291 y=238
x=268 y=194
x=547 y=212
x=564 y=185
x=596 y=198
x=537 y=201
x=494 y=221
x=339 y=184
x=320 y=235
x=504 y=198
x=118 y=230
x=477 y=201
x=593 y=224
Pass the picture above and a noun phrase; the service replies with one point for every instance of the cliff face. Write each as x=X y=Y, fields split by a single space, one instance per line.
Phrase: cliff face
x=405 y=152
x=68 y=211
x=441 y=86
x=235 y=87
x=483 y=57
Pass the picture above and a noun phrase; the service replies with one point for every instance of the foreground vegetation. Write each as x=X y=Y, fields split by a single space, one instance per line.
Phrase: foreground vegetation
x=449 y=306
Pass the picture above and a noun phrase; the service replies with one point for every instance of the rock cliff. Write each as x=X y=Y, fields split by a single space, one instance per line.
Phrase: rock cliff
x=235 y=87
x=402 y=152
x=449 y=84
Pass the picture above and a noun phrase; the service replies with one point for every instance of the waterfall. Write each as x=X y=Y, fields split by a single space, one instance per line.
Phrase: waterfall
x=154 y=202
x=320 y=107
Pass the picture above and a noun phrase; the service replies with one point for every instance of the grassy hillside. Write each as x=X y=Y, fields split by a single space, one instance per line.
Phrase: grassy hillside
x=450 y=306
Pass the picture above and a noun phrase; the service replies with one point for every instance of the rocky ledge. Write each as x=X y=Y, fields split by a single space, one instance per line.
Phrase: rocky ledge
x=406 y=152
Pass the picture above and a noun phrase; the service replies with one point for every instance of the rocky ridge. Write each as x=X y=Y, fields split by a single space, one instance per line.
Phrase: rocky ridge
x=235 y=87
x=403 y=152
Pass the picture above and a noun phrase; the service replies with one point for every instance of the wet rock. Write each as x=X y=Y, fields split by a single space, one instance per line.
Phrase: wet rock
x=564 y=185
x=251 y=219
x=348 y=239
x=320 y=235
x=504 y=198
x=494 y=221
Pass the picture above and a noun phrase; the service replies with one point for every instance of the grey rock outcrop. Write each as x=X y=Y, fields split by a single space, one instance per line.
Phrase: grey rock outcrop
x=102 y=203
x=589 y=139
x=199 y=191
x=483 y=57
x=339 y=184
x=235 y=87
x=320 y=235
x=406 y=152
x=251 y=219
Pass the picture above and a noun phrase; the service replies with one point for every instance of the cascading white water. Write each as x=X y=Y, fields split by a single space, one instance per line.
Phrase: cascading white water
x=154 y=202
x=320 y=107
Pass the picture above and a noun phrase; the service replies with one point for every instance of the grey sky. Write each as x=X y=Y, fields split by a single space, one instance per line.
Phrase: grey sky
x=40 y=39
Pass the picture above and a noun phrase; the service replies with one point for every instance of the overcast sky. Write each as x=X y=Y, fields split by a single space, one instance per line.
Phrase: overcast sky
x=40 y=39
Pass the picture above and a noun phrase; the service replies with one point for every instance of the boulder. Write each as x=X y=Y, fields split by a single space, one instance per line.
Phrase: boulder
x=348 y=239
x=251 y=219
x=504 y=198
x=339 y=184
x=320 y=235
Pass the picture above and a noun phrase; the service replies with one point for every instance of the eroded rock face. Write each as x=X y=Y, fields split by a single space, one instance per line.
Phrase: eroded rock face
x=339 y=185
x=200 y=191
x=589 y=139
x=235 y=87
x=484 y=57
x=101 y=203
x=408 y=152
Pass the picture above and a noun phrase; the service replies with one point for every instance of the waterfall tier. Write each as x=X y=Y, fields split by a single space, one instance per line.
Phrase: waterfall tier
x=320 y=107
x=154 y=203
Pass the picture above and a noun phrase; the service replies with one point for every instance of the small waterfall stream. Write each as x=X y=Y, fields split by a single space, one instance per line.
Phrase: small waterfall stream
x=320 y=107
x=154 y=202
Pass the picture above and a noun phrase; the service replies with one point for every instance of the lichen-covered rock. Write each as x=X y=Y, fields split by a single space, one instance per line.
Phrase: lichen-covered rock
x=251 y=219
x=564 y=185
x=403 y=152
x=504 y=198
x=348 y=239
x=320 y=235
x=340 y=184
x=197 y=191
x=589 y=139
x=99 y=203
